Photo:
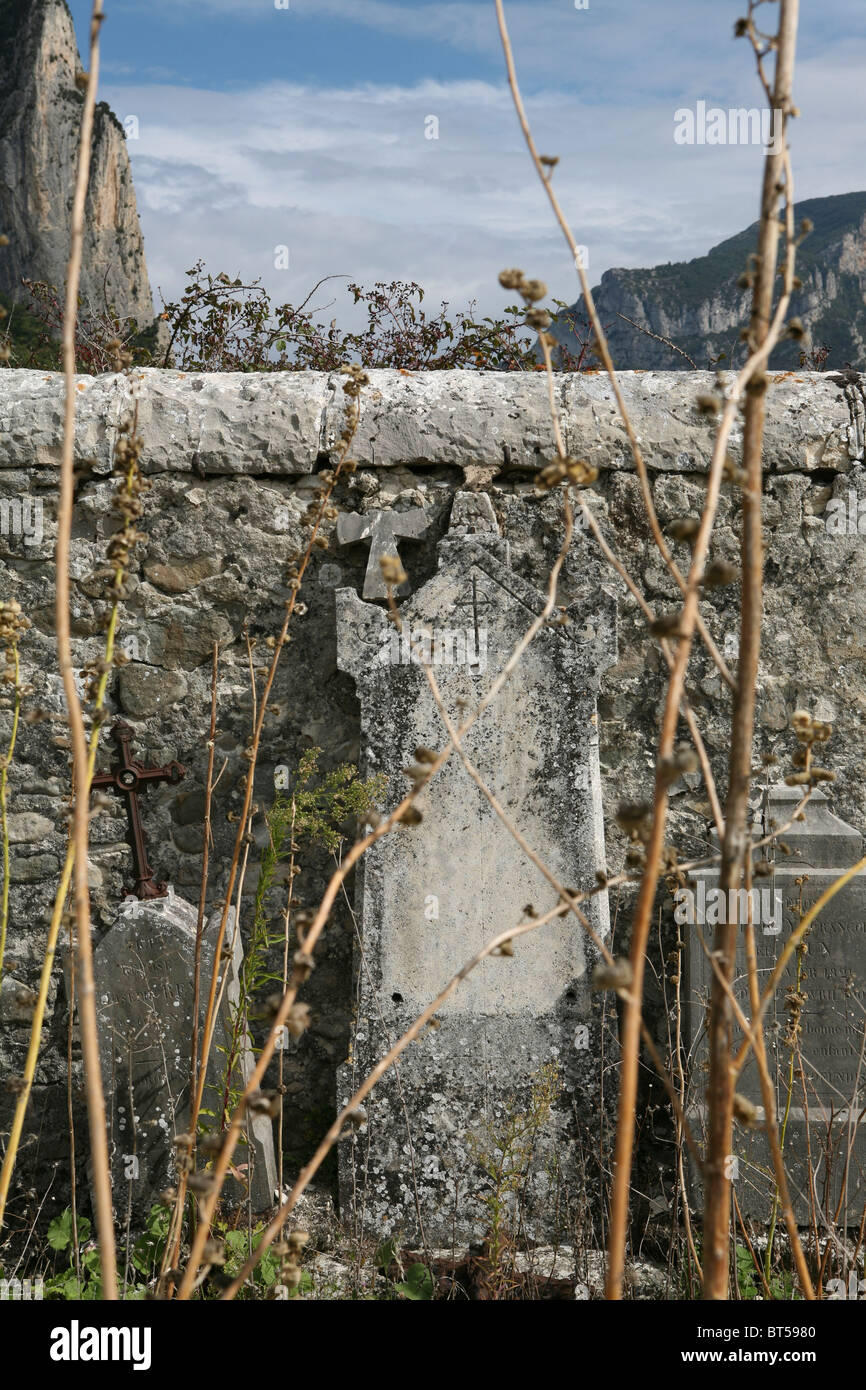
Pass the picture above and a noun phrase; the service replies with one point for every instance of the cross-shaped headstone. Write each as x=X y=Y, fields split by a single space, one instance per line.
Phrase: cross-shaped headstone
x=381 y=530
x=128 y=778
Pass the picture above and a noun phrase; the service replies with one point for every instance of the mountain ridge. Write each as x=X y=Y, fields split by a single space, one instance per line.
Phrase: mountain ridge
x=699 y=306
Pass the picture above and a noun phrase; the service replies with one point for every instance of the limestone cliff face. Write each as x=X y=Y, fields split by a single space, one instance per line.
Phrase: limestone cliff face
x=699 y=306
x=40 y=112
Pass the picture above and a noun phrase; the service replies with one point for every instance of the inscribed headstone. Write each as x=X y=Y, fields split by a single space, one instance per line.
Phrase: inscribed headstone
x=431 y=895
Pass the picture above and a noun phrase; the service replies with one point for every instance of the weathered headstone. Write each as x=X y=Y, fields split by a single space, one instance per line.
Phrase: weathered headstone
x=144 y=987
x=431 y=895
x=825 y=1144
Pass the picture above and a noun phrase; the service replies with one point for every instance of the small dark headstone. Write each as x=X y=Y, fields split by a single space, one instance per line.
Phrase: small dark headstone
x=144 y=987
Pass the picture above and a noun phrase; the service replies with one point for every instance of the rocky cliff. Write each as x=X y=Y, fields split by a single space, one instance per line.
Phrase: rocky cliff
x=40 y=111
x=699 y=306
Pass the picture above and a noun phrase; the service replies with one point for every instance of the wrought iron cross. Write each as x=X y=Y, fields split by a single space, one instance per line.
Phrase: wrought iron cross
x=128 y=778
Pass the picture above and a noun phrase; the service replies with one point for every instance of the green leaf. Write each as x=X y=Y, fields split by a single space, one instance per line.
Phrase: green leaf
x=386 y=1254
x=418 y=1284
x=60 y=1231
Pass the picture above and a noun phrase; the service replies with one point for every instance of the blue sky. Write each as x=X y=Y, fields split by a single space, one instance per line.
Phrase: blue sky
x=258 y=127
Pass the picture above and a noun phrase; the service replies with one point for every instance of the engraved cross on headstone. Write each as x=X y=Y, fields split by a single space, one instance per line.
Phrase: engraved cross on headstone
x=381 y=530
x=128 y=778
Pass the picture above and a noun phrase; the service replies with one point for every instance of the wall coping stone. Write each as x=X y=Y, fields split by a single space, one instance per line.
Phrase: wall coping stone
x=287 y=423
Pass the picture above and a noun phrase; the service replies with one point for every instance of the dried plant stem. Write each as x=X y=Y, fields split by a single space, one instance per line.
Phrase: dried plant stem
x=370 y=1081
x=70 y=1116
x=171 y=1254
x=353 y=415
x=690 y=619
x=681 y=1081
x=659 y=339
x=572 y=899
x=205 y=865
x=287 y=936
x=621 y=570
x=667 y=652
x=35 y=1033
x=51 y=947
x=223 y=1160
x=788 y=950
x=601 y=340
x=81 y=814
x=61 y=895
x=5 y=764
x=720 y=1089
x=774 y=1139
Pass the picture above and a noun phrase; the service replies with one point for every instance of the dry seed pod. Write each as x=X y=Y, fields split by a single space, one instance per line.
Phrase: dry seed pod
x=745 y=1111
x=667 y=625
x=683 y=528
x=264 y=1103
x=579 y=471
x=719 y=573
x=298 y=1020
x=683 y=759
x=532 y=290
x=416 y=773
x=393 y=572
x=634 y=817
x=304 y=965
x=616 y=976
x=510 y=279
x=200 y=1183
x=551 y=475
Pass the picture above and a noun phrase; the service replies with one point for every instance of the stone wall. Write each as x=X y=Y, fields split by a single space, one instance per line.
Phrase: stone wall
x=233 y=463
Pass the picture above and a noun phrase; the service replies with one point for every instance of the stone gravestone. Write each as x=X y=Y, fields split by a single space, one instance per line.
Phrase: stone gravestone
x=824 y=1139
x=144 y=988
x=431 y=895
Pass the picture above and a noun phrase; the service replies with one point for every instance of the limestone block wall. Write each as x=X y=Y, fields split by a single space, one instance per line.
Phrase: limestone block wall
x=233 y=463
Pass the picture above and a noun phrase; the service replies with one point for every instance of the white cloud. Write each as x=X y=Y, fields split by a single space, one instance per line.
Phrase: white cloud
x=347 y=180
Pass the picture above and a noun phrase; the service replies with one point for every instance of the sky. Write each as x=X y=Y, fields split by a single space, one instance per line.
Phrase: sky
x=376 y=139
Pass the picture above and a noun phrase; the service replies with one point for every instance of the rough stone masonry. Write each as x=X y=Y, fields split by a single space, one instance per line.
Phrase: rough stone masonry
x=233 y=463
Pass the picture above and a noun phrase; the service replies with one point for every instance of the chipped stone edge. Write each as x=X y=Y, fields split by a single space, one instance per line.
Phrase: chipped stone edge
x=283 y=424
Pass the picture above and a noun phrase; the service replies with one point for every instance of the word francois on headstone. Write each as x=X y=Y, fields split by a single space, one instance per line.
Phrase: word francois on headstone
x=431 y=895
x=814 y=1026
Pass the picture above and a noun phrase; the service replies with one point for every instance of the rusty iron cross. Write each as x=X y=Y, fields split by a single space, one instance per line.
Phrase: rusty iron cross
x=128 y=778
